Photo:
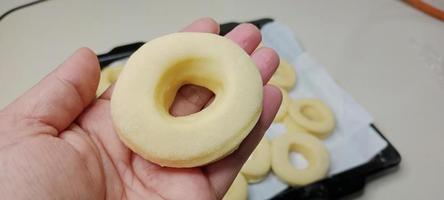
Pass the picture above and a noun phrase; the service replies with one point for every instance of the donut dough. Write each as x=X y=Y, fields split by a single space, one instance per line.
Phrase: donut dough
x=259 y=163
x=150 y=80
x=292 y=127
x=285 y=76
x=238 y=189
x=310 y=147
x=282 y=112
x=312 y=115
x=107 y=77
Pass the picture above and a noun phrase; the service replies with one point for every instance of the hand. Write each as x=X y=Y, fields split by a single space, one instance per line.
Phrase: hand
x=57 y=140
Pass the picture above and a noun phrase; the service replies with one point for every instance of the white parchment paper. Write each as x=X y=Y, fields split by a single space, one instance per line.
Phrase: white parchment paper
x=352 y=143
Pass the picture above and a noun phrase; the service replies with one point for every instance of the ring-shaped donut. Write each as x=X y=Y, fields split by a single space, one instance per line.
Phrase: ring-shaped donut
x=292 y=127
x=259 y=163
x=285 y=76
x=283 y=109
x=150 y=80
x=313 y=115
x=310 y=147
x=238 y=189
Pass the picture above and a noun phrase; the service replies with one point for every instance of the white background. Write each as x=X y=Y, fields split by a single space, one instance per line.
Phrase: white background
x=387 y=55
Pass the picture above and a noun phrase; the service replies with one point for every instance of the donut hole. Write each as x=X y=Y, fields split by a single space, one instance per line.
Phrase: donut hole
x=192 y=98
x=187 y=87
x=297 y=158
x=311 y=113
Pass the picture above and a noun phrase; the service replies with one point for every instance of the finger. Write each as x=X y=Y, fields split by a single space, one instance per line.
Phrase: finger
x=222 y=173
x=63 y=94
x=204 y=25
x=190 y=99
x=246 y=36
x=267 y=61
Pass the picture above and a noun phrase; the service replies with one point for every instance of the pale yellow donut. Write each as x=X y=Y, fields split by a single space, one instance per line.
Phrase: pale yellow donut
x=108 y=76
x=313 y=115
x=285 y=76
x=292 y=127
x=150 y=80
x=310 y=147
x=259 y=163
x=282 y=112
x=238 y=189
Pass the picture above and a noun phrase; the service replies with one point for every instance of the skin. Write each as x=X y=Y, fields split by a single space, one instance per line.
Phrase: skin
x=57 y=140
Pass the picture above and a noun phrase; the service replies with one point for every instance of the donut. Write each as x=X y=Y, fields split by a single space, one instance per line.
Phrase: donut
x=108 y=76
x=313 y=115
x=259 y=163
x=310 y=147
x=292 y=127
x=238 y=189
x=150 y=80
x=282 y=112
x=285 y=76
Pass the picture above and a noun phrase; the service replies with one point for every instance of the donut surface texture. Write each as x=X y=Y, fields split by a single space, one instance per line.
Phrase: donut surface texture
x=148 y=84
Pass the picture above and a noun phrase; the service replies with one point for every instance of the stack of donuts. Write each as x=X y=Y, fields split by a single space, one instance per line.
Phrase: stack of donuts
x=307 y=122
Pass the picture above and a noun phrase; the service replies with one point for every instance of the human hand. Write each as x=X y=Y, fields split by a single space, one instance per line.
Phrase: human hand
x=57 y=140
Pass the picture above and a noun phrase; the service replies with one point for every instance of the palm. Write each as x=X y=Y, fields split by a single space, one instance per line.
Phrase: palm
x=134 y=177
x=87 y=157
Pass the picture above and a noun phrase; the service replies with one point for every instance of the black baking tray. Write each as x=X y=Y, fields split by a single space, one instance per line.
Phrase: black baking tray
x=338 y=186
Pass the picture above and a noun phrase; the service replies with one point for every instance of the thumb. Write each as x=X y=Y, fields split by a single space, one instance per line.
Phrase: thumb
x=63 y=94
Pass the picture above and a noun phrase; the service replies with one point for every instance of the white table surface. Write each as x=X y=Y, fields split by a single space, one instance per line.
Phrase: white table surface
x=389 y=56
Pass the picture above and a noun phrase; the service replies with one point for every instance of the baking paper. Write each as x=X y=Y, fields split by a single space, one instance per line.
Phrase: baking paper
x=353 y=141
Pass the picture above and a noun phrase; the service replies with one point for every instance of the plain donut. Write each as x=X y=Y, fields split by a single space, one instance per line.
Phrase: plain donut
x=150 y=80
